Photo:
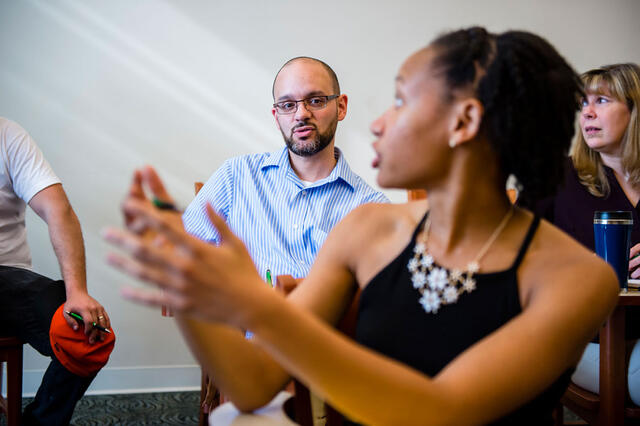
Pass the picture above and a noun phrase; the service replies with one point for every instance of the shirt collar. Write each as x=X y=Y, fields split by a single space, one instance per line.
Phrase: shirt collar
x=341 y=171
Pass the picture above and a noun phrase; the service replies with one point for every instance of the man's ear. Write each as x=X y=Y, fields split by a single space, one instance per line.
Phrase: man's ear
x=466 y=120
x=342 y=101
x=273 y=112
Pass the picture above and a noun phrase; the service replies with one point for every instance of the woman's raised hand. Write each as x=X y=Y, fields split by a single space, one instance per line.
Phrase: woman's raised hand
x=196 y=278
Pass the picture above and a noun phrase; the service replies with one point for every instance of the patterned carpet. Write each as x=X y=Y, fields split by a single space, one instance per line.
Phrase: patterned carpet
x=170 y=408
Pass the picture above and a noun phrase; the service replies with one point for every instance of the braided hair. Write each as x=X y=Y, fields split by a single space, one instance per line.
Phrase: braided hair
x=530 y=96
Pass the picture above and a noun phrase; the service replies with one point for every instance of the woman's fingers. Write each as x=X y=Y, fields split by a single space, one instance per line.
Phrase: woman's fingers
x=634 y=255
x=135 y=191
x=226 y=234
x=634 y=261
x=154 y=183
x=145 y=297
x=145 y=272
x=165 y=222
x=174 y=301
x=139 y=247
x=163 y=266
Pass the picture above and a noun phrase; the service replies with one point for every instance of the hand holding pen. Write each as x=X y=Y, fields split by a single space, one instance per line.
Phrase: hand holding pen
x=146 y=179
x=95 y=325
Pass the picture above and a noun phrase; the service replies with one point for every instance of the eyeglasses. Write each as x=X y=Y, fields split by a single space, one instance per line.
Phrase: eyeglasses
x=313 y=103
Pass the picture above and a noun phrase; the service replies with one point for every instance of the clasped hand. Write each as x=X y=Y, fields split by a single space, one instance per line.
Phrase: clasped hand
x=198 y=279
x=634 y=262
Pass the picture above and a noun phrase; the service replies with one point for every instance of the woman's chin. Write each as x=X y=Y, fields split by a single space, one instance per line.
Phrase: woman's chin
x=388 y=183
x=382 y=181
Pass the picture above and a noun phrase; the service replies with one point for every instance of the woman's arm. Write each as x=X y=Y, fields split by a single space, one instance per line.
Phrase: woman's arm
x=491 y=378
x=243 y=370
x=247 y=375
x=501 y=372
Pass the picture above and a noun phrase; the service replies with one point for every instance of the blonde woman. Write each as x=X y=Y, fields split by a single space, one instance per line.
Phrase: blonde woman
x=604 y=174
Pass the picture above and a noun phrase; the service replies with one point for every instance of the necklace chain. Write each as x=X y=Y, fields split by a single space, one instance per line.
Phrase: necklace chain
x=439 y=286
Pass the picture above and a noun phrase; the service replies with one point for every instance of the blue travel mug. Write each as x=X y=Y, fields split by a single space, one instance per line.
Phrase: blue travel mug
x=612 y=232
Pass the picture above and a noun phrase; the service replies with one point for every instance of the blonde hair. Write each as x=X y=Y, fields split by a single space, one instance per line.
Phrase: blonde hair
x=622 y=82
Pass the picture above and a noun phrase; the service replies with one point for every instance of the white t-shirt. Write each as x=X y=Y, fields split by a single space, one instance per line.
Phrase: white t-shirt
x=23 y=173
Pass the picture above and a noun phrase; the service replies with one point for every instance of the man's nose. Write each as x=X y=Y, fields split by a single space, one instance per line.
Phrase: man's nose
x=302 y=112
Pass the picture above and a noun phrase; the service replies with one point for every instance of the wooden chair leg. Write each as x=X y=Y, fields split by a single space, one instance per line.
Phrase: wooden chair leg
x=302 y=405
x=558 y=415
x=14 y=386
x=204 y=417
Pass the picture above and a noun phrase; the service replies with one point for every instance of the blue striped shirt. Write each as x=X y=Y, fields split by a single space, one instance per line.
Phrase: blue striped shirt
x=282 y=221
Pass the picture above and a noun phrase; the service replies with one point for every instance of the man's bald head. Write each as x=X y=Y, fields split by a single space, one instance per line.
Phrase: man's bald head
x=327 y=68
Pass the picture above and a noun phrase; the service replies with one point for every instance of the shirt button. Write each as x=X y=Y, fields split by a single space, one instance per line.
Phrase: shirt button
x=304 y=193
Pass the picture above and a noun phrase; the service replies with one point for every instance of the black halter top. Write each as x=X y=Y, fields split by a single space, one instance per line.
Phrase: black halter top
x=392 y=321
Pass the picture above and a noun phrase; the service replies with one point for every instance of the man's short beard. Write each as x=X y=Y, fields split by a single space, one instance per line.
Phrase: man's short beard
x=321 y=141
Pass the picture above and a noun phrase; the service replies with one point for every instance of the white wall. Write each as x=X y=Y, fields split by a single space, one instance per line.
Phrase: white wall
x=106 y=86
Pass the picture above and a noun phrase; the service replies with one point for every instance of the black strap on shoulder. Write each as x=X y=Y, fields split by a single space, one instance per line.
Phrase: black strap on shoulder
x=527 y=240
x=419 y=227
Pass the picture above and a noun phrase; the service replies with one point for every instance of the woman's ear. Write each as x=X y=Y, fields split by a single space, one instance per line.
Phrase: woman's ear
x=465 y=124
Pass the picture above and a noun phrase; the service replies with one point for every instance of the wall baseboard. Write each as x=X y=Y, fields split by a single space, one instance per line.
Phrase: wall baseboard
x=118 y=380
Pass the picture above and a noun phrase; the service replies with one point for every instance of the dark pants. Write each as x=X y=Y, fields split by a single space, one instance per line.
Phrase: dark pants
x=27 y=304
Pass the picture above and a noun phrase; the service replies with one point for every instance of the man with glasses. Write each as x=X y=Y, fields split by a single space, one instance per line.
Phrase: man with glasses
x=283 y=204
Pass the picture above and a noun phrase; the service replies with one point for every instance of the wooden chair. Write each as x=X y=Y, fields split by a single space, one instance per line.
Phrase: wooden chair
x=208 y=391
x=416 y=194
x=300 y=405
x=421 y=194
x=612 y=406
x=210 y=394
x=11 y=353
x=302 y=396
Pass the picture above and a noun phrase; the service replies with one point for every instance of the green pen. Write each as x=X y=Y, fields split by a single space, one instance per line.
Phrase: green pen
x=164 y=205
x=79 y=319
x=269 y=278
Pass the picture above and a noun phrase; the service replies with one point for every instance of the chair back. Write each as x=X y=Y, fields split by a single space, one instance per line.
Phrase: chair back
x=421 y=194
x=416 y=194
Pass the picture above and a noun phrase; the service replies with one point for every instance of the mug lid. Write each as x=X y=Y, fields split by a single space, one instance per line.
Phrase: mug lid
x=614 y=215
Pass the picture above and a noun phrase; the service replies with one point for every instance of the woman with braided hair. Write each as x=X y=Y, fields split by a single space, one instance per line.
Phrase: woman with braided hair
x=469 y=312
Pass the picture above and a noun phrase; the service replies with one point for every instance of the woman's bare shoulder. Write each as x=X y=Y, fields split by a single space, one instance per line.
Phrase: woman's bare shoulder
x=378 y=220
x=558 y=263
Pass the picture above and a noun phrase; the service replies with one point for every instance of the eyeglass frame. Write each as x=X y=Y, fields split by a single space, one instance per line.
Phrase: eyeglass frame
x=329 y=98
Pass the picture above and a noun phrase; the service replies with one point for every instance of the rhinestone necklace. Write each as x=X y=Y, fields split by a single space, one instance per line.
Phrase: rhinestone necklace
x=439 y=286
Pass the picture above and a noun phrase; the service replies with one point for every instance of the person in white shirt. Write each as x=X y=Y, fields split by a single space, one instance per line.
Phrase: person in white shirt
x=28 y=300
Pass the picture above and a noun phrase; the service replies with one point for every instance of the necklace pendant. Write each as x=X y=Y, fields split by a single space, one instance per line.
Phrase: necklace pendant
x=473 y=267
x=437 y=285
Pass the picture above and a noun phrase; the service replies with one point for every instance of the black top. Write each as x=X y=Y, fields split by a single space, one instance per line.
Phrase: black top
x=392 y=321
x=572 y=208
